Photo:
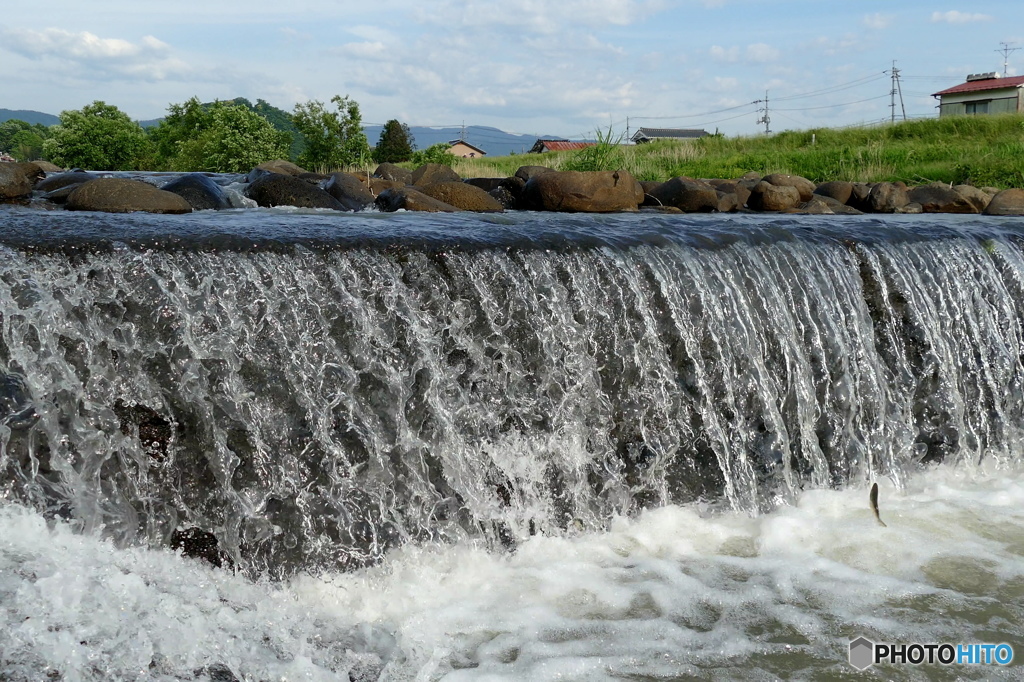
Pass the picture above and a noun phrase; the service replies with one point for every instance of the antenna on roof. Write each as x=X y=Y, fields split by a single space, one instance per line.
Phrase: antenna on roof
x=1006 y=51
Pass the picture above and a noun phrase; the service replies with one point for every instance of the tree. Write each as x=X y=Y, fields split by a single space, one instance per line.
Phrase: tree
x=435 y=153
x=99 y=136
x=395 y=144
x=333 y=139
x=22 y=140
x=216 y=137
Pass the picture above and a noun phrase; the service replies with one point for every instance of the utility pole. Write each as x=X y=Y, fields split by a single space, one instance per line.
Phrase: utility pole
x=765 y=119
x=1006 y=52
x=896 y=89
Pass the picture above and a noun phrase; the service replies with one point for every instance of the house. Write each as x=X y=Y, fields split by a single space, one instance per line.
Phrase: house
x=464 y=149
x=542 y=146
x=650 y=134
x=982 y=93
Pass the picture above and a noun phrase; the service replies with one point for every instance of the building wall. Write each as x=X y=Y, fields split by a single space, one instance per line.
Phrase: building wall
x=1002 y=101
x=464 y=151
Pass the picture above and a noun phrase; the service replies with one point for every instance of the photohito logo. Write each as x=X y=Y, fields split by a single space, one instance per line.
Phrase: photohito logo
x=864 y=653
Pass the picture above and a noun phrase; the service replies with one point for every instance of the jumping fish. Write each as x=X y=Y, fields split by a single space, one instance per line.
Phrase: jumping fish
x=874 y=504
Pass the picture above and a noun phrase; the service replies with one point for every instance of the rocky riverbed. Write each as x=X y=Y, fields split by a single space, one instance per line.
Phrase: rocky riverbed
x=437 y=188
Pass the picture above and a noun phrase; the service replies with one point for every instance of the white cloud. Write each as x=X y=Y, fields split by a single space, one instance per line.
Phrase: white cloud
x=762 y=52
x=955 y=17
x=541 y=16
x=878 y=21
x=729 y=55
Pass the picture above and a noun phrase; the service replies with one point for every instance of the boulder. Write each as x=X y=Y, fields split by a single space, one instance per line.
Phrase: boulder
x=430 y=173
x=202 y=193
x=380 y=185
x=60 y=196
x=389 y=171
x=583 y=191
x=736 y=187
x=687 y=194
x=1007 y=202
x=286 y=190
x=728 y=202
x=859 y=195
x=887 y=197
x=837 y=189
x=13 y=183
x=463 y=196
x=47 y=167
x=978 y=198
x=525 y=173
x=503 y=195
x=818 y=205
x=411 y=200
x=313 y=178
x=282 y=167
x=803 y=185
x=937 y=197
x=120 y=195
x=63 y=180
x=486 y=184
x=770 y=197
x=349 y=190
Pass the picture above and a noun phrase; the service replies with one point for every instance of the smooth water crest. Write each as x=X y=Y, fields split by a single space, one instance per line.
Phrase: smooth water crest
x=513 y=447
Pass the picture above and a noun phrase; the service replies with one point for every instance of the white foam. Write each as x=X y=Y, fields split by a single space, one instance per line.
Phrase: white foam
x=673 y=593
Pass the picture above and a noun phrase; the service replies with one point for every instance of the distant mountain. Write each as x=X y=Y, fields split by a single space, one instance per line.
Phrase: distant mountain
x=27 y=116
x=493 y=141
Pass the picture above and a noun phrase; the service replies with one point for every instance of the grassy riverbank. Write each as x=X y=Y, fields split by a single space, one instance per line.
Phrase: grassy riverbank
x=979 y=150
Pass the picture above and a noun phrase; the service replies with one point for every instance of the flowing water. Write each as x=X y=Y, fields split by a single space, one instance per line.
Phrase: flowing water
x=515 y=447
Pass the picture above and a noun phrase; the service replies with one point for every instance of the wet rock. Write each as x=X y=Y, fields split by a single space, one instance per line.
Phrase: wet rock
x=887 y=197
x=769 y=197
x=804 y=186
x=686 y=194
x=859 y=197
x=486 y=184
x=199 y=191
x=411 y=200
x=380 y=185
x=432 y=173
x=817 y=206
x=60 y=196
x=837 y=189
x=17 y=411
x=218 y=672
x=389 y=171
x=740 y=189
x=61 y=180
x=282 y=167
x=14 y=184
x=149 y=426
x=352 y=192
x=286 y=190
x=463 y=196
x=940 y=198
x=1007 y=202
x=728 y=202
x=200 y=544
x=584 y=192
x=504 y=197
x=119 y=195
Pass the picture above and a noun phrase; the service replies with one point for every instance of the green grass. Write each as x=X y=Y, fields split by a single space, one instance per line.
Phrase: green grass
x=978 y=150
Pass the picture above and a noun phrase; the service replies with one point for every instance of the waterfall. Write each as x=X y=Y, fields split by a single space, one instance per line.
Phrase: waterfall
x=313 y=406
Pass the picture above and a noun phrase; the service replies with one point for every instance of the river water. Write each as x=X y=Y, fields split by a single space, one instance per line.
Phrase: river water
x=507 y=447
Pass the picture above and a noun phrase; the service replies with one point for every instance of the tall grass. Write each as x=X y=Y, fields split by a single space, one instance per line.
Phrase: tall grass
x=980 y=150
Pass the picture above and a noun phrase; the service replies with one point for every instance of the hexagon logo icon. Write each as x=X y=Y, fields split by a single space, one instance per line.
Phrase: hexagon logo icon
x=862 y=653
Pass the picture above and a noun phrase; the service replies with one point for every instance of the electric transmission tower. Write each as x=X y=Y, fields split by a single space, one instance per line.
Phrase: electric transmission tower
x=765 y=119
x=896 y=90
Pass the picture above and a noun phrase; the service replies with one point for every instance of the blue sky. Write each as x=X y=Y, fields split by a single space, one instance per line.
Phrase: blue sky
x=564 y=67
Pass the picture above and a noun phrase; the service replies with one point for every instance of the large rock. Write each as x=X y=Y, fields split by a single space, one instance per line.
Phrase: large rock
x=202 y=193
x=1007 y=202
x=14 y=184
x=804 y=186
x=379 y=185
x=60 y=180
x=431 y=173
x=119 y=195
x=977 y=197
x=282 y=167
x=389 y=171
x=486 y=184
x=766 y=196
x=286 y=190
x=860 y=196
x=411 y=199
x=349 y=190
x=937 y=197
x=583 y=191
x=888 y=197
x=463 y=196
x=686 y=194
x=525 y=173
x=839 y=190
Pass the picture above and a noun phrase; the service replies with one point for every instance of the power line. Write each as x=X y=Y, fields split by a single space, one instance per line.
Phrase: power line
x=834 y=106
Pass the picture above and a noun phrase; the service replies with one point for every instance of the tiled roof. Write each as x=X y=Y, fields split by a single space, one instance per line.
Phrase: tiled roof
x=981 y=85
x=676 y=133
x=562 y=145
x=452 y=143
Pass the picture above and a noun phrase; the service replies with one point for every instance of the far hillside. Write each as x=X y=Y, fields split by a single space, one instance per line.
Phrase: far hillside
x=978 y=150
x=28 y=116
